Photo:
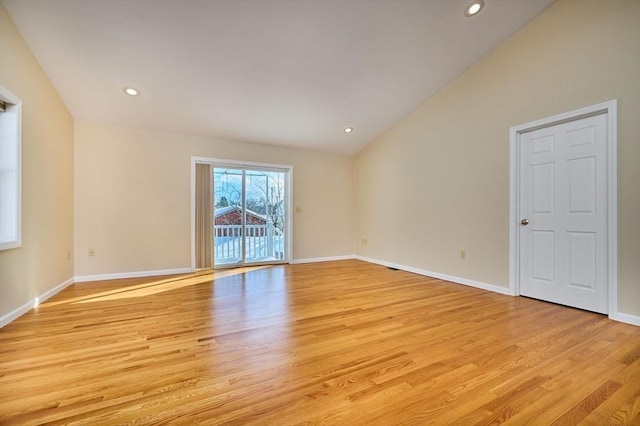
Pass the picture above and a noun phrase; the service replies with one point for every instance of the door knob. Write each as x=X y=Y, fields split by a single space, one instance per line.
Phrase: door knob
x=524 y=222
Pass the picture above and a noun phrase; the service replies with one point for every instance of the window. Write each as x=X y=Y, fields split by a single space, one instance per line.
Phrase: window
x=10 y=170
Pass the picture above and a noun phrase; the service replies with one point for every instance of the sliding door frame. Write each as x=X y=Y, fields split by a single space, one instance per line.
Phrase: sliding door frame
x=216 y=162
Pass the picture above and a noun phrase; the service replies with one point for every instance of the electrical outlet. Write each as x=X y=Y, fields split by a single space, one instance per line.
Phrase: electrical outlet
x=92 y=252
x=463 y=254
x=364 y=242
x=68 y=254
x=298 y=209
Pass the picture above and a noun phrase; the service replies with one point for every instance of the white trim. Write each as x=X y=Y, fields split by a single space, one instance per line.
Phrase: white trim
x=609 y=108
x=288 y=185
x=192 y=217
x=14 y=134
x=245 y=164
x=612 y=213
x=322 y=259
x=464 y=281
x=234 y=163
x=626 y=318
x=9 y=317
x=102 y=277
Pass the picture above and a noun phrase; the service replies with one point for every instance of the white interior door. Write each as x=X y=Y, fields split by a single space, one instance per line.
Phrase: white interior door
x=563 y=207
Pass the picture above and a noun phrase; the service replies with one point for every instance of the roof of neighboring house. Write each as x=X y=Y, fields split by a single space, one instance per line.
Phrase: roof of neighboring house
x=224 y=210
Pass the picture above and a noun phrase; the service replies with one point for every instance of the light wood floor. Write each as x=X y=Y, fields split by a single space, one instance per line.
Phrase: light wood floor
x=332 y=343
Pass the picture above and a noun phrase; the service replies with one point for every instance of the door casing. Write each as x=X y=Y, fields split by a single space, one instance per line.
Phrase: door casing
x=609 y=108
x=243 y=164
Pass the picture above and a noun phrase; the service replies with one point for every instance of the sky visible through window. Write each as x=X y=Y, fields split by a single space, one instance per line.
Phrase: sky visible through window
x=264 y=192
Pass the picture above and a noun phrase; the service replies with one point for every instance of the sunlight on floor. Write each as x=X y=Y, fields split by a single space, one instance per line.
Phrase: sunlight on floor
x=156 y=287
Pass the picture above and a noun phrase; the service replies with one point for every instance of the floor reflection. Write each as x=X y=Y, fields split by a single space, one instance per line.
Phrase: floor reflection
x=159 y=286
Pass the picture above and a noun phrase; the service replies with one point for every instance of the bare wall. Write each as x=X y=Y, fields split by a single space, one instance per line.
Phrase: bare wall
x=132 y=198
x=45 y=259
x=438 y=181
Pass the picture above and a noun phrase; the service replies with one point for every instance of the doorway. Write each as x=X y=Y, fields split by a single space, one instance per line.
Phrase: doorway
x=563 y=209
x=249 y=216
x=241 y=214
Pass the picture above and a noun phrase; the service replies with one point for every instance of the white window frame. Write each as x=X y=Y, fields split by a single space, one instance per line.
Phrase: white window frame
x=10 y=171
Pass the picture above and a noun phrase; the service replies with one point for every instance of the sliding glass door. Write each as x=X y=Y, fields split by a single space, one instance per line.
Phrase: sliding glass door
x=250 y=215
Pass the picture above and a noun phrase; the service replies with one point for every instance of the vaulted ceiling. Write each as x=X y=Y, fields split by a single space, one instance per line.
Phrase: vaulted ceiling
x=290 y=73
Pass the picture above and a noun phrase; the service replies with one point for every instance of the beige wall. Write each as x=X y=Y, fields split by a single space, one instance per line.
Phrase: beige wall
x=132 y=198
x=44 y=260
x=445 y=168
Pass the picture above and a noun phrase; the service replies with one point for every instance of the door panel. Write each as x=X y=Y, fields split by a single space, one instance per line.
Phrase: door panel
x=563 y=193
x=542 y=188
x=265 y=215
x=582 y=259
x=582 y=185
x=228 y=244
x=542 y=255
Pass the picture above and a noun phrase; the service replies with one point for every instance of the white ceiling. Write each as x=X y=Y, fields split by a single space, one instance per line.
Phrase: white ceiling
x=290 y=73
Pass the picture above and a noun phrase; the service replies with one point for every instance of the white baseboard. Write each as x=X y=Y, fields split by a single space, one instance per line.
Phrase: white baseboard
x=626 y=318
x=7 y=318
x=465 y=281
x=139 y=274
x=322 y=259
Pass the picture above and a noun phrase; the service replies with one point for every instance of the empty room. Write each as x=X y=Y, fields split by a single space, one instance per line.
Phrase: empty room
x=282 y=212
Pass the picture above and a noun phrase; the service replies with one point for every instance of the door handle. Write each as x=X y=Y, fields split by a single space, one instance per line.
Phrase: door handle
x=524 y=222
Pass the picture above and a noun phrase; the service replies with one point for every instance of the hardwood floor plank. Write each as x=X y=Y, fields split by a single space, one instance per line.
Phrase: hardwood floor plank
x=343 y=342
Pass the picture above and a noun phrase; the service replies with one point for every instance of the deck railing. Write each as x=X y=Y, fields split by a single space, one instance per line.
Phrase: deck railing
x=263 y=242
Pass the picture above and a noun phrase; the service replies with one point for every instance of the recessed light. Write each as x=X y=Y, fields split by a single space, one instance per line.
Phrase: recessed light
x=348 y=129
x=473 y=8
x=131 y=91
